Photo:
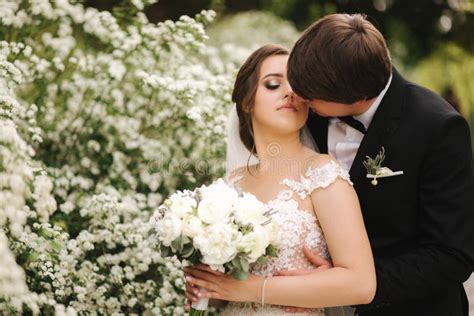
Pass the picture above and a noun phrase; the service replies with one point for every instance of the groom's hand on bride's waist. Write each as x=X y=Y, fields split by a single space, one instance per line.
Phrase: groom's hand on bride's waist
x=319 y=262
x=316 y=260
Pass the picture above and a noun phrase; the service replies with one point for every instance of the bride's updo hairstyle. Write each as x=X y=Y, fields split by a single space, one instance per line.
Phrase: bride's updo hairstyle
x=245 y=88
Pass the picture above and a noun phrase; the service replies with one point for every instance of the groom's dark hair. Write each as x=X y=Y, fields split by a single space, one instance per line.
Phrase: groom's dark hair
x=340 y=58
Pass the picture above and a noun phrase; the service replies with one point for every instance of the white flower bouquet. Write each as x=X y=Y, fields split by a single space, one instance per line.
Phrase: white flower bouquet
x=217 y=226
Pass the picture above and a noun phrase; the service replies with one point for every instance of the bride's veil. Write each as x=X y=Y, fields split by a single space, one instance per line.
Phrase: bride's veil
x=238 y=155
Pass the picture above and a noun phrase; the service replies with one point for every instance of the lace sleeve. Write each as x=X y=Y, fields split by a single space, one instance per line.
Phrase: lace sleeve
x=317 y=177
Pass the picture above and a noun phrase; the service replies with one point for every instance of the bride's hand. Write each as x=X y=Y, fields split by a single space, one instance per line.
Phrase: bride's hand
x=217 y=285
x=191 y=295
x=317 y=261
x=191 y=290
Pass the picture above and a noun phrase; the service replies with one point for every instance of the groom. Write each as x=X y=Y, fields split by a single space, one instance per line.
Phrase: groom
x=420 y=220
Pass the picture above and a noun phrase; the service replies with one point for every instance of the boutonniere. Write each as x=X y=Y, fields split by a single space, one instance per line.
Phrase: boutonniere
x=375 y=170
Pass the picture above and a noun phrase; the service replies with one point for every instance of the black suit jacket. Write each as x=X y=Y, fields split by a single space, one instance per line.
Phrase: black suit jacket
x=420 y=224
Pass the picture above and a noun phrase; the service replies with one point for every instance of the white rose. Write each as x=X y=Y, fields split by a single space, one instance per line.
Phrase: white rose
x=249 y=210
x=254 y=243
x=214 y=210
x=181 y=205
x=217 y=244
x=168 y=228
x=192 y=226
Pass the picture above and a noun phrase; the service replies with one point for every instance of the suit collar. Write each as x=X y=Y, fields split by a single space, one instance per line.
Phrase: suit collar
x=366 y=117
x=384 y=123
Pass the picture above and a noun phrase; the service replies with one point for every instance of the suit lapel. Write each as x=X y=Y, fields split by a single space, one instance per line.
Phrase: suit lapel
x=383 y=125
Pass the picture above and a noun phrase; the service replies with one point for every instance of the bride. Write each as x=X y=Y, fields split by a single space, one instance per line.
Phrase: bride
x=272 y=155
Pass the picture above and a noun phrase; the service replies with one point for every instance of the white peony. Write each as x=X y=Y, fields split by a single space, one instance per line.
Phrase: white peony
x=249 y=210
x=168 y=228
x=181 y=205
x=217 y=244
x=217 y=201
x=219 y=189
x=254 y=243
x=214 y=211
x=192 y=226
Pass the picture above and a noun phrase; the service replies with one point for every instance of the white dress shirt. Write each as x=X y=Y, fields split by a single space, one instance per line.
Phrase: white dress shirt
x=344 y=140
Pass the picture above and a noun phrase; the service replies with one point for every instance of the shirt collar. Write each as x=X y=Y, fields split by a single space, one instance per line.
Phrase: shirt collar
x=366 y=117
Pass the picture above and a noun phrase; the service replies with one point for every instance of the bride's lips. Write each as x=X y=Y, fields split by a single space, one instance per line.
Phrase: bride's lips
x=288 y=107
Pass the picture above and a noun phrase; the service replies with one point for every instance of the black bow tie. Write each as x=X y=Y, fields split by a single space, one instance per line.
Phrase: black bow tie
x=352 y=122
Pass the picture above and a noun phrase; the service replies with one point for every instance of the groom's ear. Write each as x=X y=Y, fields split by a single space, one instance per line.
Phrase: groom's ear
x=363 y=104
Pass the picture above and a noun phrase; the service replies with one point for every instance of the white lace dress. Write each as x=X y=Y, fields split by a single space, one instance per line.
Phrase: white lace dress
x=297 y=227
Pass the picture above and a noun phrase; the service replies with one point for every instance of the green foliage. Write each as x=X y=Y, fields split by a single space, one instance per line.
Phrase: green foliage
x=450 y=68
x=235 y=29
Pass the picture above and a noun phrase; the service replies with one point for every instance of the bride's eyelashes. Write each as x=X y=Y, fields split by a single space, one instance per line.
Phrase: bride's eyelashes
x=272 y=85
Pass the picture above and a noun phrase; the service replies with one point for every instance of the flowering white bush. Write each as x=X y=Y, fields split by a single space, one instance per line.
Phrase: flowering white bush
x=101 y=115
x=92 y=110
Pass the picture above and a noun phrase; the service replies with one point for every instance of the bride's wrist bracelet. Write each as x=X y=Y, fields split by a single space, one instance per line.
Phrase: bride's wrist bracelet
x=263 y=290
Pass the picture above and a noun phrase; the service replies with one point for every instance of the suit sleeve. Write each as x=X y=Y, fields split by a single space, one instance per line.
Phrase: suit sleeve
x=445 y=253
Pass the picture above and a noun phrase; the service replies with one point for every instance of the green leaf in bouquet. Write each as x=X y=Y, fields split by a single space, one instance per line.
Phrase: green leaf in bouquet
x=195 y=258
x=271 y=251
x=244 y=264
x=235 y=264
x=262 y=260
x=188 y=251
x=240 y=275
x=185 y=240
x=177 y=245
x=165 y=251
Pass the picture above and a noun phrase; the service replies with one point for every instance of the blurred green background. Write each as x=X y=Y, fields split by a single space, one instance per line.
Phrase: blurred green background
x=431 y=41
